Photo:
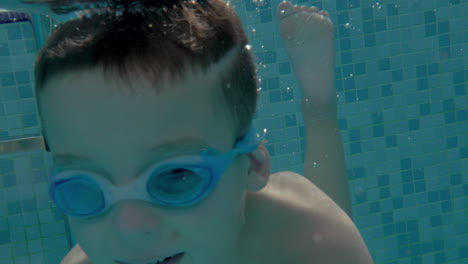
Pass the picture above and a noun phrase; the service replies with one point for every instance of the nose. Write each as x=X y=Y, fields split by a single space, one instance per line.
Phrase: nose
x=134 y=217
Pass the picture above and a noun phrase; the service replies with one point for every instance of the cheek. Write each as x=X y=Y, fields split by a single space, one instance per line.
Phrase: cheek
x=224 y=207
x=84 y=235
x=90 y=234
x=228 y=199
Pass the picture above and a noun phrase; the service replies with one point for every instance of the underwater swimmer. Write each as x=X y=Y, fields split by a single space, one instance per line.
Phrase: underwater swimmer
x=246 y=215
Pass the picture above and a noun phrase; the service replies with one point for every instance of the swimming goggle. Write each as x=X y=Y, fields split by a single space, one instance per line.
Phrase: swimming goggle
x=176 y=182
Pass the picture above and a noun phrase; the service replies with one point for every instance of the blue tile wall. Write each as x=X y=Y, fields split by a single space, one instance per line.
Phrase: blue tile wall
x=401 y=78
x=394 y=110
x=31 y=231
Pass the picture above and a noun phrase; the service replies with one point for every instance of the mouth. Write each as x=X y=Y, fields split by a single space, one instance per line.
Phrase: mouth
x=174 y=259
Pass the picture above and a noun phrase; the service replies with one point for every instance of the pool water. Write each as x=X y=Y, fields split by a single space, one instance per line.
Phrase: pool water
x=401 y=75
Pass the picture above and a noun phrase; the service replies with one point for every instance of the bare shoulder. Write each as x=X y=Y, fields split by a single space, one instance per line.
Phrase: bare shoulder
x=322 y=232
x=300 y=190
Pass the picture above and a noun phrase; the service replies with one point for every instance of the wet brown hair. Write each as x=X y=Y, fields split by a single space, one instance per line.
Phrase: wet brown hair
x=158 y=38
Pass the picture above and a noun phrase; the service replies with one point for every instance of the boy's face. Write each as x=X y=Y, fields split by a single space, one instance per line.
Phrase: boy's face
x=114 y=129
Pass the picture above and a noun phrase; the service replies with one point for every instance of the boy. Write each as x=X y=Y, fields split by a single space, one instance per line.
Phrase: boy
x=159 y=161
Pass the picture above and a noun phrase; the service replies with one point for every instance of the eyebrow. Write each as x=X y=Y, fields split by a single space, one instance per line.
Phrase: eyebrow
x=176 y=146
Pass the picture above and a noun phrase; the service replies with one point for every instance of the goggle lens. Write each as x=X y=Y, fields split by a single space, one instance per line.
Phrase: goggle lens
x=178 y=185
x=78 y=196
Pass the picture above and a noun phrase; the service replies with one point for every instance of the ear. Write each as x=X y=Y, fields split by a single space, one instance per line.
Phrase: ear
x=259 y=170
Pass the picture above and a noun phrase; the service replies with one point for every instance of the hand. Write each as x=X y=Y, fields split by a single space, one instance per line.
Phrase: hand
x=76 y=256
x=308 y=37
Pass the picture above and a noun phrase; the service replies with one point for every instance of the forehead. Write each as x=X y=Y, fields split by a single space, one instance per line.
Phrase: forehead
x=85 y=117
x=178 y=146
